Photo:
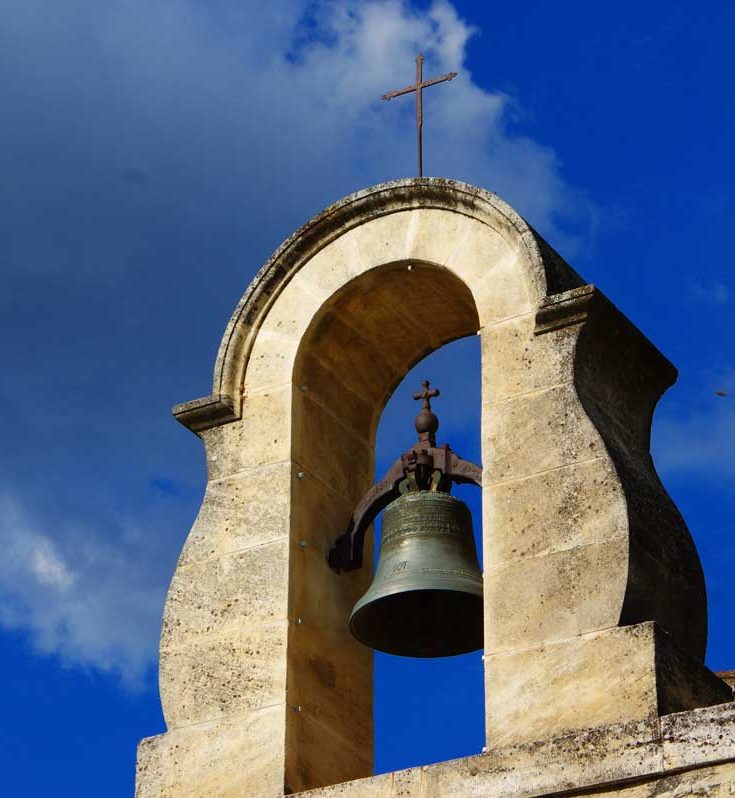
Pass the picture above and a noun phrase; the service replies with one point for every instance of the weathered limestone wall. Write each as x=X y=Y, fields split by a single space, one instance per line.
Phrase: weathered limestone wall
x=263 y=690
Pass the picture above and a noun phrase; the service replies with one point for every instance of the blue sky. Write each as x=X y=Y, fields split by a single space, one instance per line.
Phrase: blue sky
x=154 y=153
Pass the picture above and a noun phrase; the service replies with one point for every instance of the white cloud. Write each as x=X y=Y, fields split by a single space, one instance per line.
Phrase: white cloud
x=242 y=110
x=92 y=602
x=715 y=293
x=48 y=568
x=700 y=443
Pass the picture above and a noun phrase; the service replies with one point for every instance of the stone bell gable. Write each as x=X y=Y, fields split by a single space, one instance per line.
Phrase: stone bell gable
x=594 y=607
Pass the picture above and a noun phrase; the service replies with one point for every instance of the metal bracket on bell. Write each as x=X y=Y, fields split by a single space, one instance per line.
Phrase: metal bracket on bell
x=425 y=466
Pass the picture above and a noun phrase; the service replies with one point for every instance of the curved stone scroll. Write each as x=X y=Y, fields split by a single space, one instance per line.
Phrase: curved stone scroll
x=259 y=676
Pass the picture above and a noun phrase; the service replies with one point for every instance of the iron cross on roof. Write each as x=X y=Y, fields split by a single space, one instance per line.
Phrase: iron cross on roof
x=418 y=87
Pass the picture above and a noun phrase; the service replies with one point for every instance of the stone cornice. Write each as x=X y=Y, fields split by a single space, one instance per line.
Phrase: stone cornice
x=209 y=411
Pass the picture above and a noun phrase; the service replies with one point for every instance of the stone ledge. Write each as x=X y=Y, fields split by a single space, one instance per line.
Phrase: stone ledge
x=586 y=302
x=562 y=310
x=209 y=411
x=700 y=736
x=594 y=759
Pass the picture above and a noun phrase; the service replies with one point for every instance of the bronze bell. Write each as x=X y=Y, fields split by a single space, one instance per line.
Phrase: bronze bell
x=426 y=598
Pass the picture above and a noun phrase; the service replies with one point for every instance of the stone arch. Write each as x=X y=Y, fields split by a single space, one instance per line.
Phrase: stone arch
x=536 y=269
x=576 y=522
x=356 y=349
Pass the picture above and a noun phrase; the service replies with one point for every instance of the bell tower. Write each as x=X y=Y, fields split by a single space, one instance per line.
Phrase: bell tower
x=593 y=609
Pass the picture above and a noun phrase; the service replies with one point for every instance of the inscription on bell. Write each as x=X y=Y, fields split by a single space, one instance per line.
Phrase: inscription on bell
x=426 y=513
x=426 y=597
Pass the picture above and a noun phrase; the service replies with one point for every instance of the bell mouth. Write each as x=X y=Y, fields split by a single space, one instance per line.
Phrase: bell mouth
x=421 y=623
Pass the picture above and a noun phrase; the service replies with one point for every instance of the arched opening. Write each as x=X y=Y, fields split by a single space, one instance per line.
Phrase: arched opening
x=355 y=352
x=430 y=710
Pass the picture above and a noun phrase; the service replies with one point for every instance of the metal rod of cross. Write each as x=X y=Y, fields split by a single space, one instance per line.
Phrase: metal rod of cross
x=418 y=88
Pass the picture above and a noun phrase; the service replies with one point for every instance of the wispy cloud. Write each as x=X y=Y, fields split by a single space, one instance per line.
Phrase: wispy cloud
x=700 y=442
x=715 y=293
x=80 y=594
x=187 y=114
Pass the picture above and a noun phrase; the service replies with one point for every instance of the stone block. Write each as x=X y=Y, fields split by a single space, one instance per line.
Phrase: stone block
x=261 y=437
x=327 y=448
x=554 y=689
x=296 y=305
x=667 y=592
x=408 y=310
x=385 y=239
x=321 y=513
x=570 y=762
x=515 y=361
x=728 y=677
x=551 y=690
x=322 y=757
x=635 y=373
x=699 y=736
x=556 y=510
x=618 y=761
x=271 y=362
x=321 y=516
x=238 y=758
x=407 y=783
x=498 y=293
x=345 y=370
x=491 y=267
x=682 y=680
x=711 y=782
x=224 y=674
x=554 y=597
x=375 y=307
x=339 y=389
x=227 y=593
x=536 y=432
x=435 y=235
x=247 y=509
x=153 y=771
x=374 y=787
x=332 y=680
x=332 y=267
